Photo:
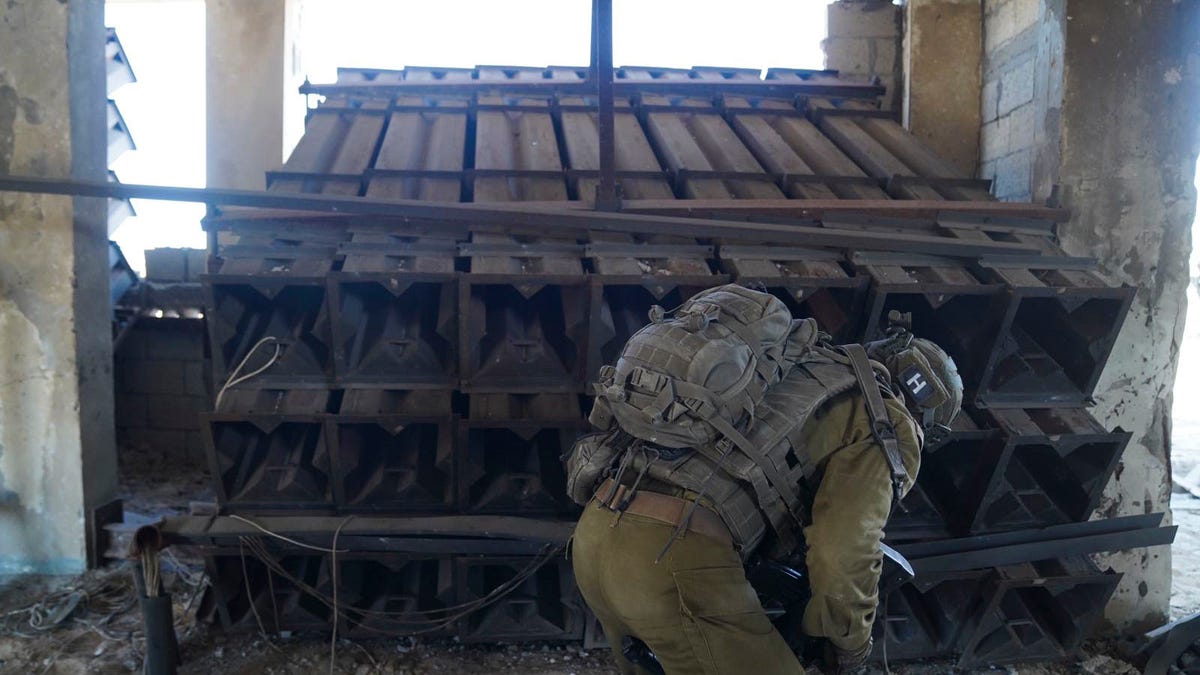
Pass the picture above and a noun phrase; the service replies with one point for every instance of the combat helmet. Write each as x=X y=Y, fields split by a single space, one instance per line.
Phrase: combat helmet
x=924 y=372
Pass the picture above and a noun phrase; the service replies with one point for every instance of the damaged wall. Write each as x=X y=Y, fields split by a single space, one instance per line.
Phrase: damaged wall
x=1100 y=99
x=162 y=384
x=863 y=42
x=941 y=78
x=1021 y=100
x=41 y=509
x=1130 y=122
x=42 y=485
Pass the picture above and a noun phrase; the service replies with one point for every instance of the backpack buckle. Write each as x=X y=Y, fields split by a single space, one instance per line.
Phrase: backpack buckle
x=646 y=380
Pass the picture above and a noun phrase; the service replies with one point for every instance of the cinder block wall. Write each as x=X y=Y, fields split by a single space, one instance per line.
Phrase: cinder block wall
x=1022 y=96
x=162 y=385
x=864 y=40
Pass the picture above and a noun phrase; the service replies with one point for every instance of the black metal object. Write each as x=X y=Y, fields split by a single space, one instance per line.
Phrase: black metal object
x=1021 y=546
x=515 y=467
x=544 y=606
x=523 y=334
x=275 y=292
x=1173 y=648
x=246 y=595
x=388 y=595
x=158 y=622
x=924 y=618
x=1054 y=343
x=636 y=652
x=271 y=462
x=396 y=465
x=949 y=305
x=1047 y=466
x=1039 y=611
x=819 y=84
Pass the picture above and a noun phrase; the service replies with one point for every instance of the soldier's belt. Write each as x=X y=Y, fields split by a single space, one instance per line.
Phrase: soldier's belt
x=664 y=509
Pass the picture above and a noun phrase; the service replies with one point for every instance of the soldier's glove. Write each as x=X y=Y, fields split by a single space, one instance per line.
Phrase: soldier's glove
x=840 y=661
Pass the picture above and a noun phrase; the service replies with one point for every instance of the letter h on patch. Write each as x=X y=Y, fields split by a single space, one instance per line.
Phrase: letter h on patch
x=918 y=387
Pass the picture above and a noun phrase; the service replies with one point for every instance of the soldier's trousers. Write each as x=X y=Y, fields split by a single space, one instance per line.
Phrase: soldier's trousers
x=693 y=608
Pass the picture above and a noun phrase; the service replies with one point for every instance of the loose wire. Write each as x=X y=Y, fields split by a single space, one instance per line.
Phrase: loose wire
x=235 y=380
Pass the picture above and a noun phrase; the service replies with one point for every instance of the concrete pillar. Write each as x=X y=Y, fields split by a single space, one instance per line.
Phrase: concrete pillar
x=1101 y=99
x=1129 y=140
x=254 y=114
x=863 y=41
x=942 y=47
x=57 y=453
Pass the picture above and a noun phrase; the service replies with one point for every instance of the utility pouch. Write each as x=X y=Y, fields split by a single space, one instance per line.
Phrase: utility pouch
x=588 y=460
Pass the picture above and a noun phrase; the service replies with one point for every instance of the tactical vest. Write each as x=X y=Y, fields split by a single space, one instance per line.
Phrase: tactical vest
x=735 y=484
x=714 y=400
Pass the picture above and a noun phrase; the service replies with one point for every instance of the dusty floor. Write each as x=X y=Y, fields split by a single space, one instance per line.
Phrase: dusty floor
x=102 y=634
x=104 y=638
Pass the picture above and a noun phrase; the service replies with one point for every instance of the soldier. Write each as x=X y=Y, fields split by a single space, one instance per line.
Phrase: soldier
x=731 y=431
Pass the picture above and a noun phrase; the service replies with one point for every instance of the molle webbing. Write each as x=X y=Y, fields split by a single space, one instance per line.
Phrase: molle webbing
x=743 y=488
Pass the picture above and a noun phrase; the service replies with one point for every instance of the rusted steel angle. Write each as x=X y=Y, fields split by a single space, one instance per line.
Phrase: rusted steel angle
x=621 y=87
x=529 y=217
x=816 y=207
x=607 y=197
x=317 y=530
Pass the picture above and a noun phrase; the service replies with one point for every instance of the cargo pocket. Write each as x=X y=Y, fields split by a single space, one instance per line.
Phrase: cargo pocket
x=722 y=617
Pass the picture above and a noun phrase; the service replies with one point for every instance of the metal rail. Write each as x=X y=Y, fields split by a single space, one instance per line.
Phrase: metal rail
x=520 y=217
x=602 y=73
x=703 y=88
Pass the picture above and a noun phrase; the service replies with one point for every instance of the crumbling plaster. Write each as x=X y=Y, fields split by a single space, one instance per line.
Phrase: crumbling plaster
x=41 y=499
x=1130 y=117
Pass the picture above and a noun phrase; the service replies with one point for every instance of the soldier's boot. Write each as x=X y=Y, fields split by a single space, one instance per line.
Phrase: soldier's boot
x=841 y=661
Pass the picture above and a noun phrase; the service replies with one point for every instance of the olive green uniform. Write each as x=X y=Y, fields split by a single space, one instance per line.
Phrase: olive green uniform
x=694 y=607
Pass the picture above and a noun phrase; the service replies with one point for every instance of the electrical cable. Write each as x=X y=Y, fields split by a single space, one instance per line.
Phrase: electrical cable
x=289 y=540
x=334 y=564
x=256 y=548
x=234 y=380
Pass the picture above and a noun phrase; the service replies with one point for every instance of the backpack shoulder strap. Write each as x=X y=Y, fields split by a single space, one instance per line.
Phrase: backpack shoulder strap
x=881 y=425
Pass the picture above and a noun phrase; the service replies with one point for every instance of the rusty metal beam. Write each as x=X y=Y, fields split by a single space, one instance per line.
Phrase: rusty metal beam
x=602 y=73
x=786 y=89
x=521 y=217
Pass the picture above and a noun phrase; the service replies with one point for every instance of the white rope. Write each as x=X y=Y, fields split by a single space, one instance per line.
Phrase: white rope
x=235 y=380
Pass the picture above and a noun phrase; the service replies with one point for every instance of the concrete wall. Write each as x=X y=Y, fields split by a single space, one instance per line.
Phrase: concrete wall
x=942 y=78
x=863 y=41
x=47 y=432
x=1100 y=98
x=1129 y=141
x=162 y=385
x=254 y=113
